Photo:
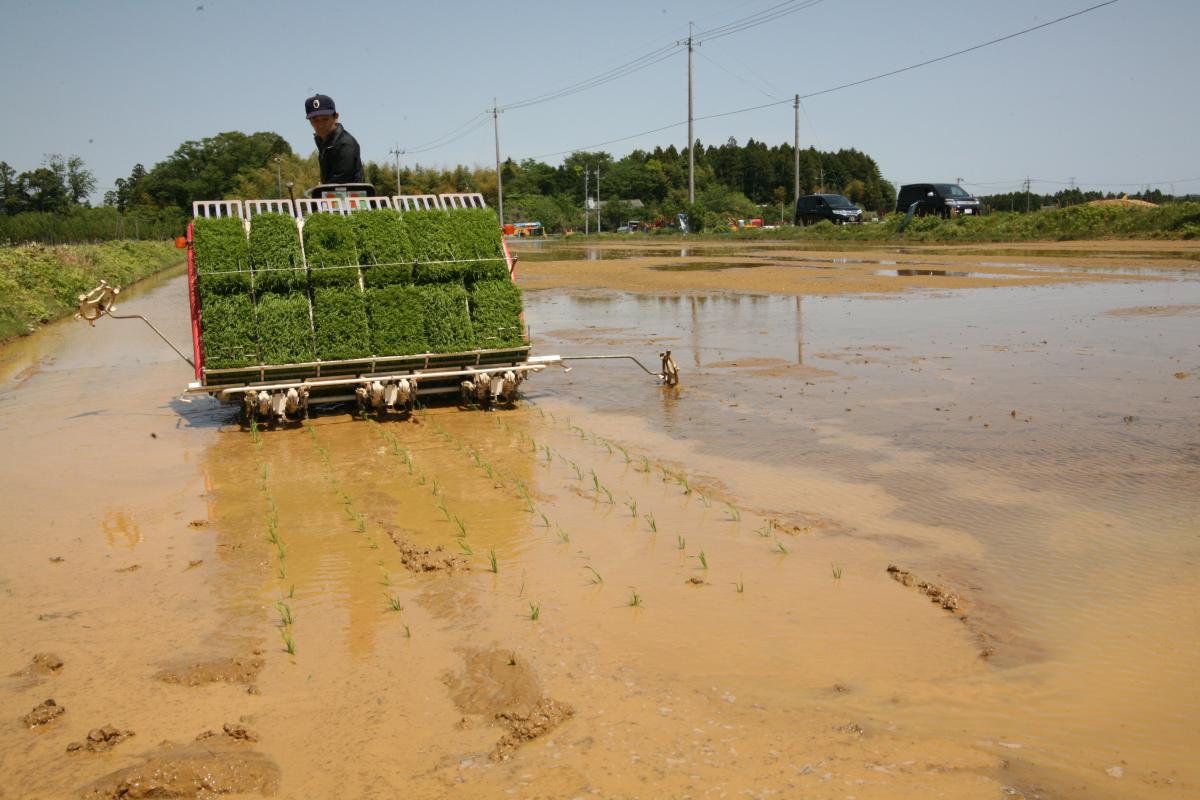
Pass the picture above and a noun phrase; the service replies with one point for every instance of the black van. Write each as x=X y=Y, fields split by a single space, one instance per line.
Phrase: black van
x=812 y=208
x=942 y=199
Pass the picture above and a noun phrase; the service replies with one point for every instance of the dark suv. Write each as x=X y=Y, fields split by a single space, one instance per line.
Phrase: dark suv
x=942 y=199
x=812 y=208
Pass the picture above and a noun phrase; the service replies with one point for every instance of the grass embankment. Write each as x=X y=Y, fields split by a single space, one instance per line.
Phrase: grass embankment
x=41 y=283
x=1174 y=221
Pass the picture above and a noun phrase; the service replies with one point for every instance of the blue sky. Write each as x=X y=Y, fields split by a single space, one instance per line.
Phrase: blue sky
x=1107 y=99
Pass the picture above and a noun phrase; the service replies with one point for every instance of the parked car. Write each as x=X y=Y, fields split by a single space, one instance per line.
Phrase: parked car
x=942 y=199
x=812 y=208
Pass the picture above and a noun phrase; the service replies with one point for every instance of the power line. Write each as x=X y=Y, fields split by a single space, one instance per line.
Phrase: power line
x=852 y=83
x=754 y=20
x=475 y=123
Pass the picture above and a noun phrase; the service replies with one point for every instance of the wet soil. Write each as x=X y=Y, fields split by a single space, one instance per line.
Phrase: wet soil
x=100 y=740
x=43 y=713
x=817 y=439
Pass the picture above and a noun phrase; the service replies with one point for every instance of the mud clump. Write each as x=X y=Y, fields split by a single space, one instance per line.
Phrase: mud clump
x=547 y=715
x=233 y=730
x=423 y=559
x=214 y=766
x=100 y=740
x=936 y=594
x=44 y=713
x=224 y=670
x=41 y=665
x=498 y=687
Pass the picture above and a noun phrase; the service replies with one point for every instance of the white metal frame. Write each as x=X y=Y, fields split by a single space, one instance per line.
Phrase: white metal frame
x=416 y=202
x=283 y=206
x=202 y=209
x=462 y=200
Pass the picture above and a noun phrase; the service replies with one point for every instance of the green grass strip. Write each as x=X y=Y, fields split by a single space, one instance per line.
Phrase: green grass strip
x=397 y=316
x=447 y=319
x=229 y=331
x=330 y=247
x=275 y=254
x=384 y=249
x=284 y=328
x=340 y=314
x=222 y=256
x=496 y=314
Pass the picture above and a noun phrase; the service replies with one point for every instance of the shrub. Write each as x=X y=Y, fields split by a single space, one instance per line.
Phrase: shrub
x=229 y=331
x=340 y=316
x=329 y=248
x=221 y=256
x=275 y=254
x=397 y=321
x=496 y=314
x=384 y=249
x=285 y=332
x=447 y=318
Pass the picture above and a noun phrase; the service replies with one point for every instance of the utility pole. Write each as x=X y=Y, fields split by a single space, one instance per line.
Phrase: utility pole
x=958 y=181
x=499 y=180
x=397 y=152
x=597 y=198
x=691 y=136
x=278 y=178
x=796 y=154
x=587 y=215
x=1026 y=194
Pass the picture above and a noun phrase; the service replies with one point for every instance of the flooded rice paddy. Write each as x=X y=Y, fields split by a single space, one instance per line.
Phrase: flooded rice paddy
x=619 y=589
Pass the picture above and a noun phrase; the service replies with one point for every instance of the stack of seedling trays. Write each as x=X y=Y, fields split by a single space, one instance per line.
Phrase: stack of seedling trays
x=374 y=292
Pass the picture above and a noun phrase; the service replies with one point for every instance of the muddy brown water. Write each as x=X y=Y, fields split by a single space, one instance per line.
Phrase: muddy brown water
x=1033 y=448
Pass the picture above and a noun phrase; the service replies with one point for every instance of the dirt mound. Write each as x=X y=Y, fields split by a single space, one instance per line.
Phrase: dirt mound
x=100 y=739
x=46 y=712
x=1123 y=201
x=223 y=670
x=546 y=716
x=501 y=688
x=423 y=559
x=937 y=594
x=41 y=665
x=211 y=767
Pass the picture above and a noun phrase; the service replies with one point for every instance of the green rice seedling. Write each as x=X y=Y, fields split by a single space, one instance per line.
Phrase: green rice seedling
x=632 y=504
x=285 y=329
x=442 y=507
x=635 y=599
x=275 y=254
x=447 y=318
x=285 y=613
x=490 y=472
x=521 y=591
x=595 y=481
x=396 y=315
x=230 y=333
x=624 y=453
x=289 y=644
x=837 y=571
x=704 y=499
x=495 y=567
x=384 y=249
x=435 y=487
x=385 y=578
x=545 y=519
x=645 y=465
x=734 y=514
x=282 y=550
x=740 y=586
x=291 y=591
x=371 y=543
x=608 y=495
x=496 y=308
x=703 y=560
x=687 y=489
x=432 y=243
x=578 y=473
x=331 y=251
x=650 y=521
x=462 y=526
x=535 y=611
x=221 y=257
x=596 y=576
x=512 y=659
x=340 y=319
x=563 y=536
x=764 y=531
x=282 y=573
x=541 y=413
x=680 y=542
x=394 y=603
x=607 y=446
x=466 y=548
x=255 y=436
x=779 y=547
x=407 y=632
x=408 y=461
x=549 y=455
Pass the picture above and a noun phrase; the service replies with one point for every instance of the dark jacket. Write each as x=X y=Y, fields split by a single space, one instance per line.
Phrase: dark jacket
x=339 y=157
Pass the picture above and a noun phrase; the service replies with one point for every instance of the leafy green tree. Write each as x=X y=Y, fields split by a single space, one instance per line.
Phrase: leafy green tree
x=209 y=169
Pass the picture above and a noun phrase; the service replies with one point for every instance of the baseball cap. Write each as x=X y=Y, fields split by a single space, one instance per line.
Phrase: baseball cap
x=319 y=105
